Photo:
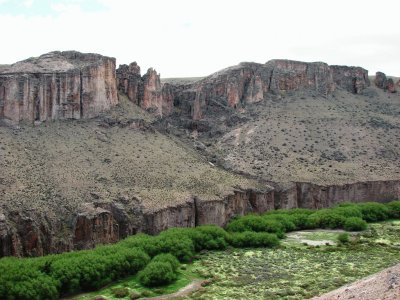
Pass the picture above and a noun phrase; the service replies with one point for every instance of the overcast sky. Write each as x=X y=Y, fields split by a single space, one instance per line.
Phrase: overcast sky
x=184 y=38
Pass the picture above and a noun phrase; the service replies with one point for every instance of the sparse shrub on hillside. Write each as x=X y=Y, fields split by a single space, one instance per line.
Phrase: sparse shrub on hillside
x=355 y=224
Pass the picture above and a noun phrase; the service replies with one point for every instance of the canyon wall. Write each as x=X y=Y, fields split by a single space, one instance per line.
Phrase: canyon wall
x=23 y=235
x=236 y=86
x=57 y=85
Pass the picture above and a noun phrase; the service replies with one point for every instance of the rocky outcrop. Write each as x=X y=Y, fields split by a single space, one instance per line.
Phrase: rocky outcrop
x=57 y=85
x=129 y=81
x=288 y=75
x=145 y=91
x=93 y=226
x=245 y=83
x=384 y=83
x=351 y=79
x=314 y=196
x=23 y=235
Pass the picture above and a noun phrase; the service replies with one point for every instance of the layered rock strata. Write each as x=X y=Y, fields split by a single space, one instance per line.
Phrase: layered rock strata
x=57 y=85
x=245 y=83
x=22 y=235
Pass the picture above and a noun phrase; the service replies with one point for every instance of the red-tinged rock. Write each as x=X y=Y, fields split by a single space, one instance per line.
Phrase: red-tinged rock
x=57 y=85
x=380 y=80
x=129 y=81
x=236 y=86
x=351 y=79
x=94 y=226
x=390 y=87
x=145 y=91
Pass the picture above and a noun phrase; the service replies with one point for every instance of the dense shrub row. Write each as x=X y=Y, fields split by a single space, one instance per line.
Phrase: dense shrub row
x=348 y=216
x=156 y=257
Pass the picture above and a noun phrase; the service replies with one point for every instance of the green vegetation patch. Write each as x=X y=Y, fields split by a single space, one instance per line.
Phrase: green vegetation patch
x=298 y=272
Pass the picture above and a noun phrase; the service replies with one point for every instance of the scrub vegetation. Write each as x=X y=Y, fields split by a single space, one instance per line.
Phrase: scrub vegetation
x=155 y=259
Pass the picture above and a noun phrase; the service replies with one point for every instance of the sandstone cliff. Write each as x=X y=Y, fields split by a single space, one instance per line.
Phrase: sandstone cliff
x=245 y=83
x=57 y=85
x=145 y=91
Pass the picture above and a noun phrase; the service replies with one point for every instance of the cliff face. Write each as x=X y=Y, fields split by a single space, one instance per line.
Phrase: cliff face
x=251 y=82
x=145 y=91
x=384 y=83
x=351 y=79
x=57 y=85
x=97 y=224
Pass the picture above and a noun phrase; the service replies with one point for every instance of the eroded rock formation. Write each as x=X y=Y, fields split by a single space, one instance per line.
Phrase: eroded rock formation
x=351 y=79
x=145 y=91
x=236 y=86
x=97 y=224
x=384 y=83
x=57 y=85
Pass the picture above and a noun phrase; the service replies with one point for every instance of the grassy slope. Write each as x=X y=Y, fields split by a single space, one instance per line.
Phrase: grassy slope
x=57 y=166
x=344 y=138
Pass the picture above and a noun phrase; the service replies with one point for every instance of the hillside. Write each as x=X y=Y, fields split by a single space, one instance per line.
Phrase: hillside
x=182 y=152
x=339 y=139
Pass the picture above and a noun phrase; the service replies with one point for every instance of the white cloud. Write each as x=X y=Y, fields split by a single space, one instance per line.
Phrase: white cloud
x=194 y=38
x=28 y=3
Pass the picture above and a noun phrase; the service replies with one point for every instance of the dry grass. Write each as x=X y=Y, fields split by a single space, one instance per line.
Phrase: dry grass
x=55 y=167
x=343 y=138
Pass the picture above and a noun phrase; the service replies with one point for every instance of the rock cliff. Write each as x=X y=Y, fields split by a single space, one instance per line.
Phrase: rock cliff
x=57 y=85
x=245 y=83
x=145 y=91
x=97 y=224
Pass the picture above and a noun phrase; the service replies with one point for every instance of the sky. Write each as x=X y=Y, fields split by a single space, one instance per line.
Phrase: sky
x=190 y=38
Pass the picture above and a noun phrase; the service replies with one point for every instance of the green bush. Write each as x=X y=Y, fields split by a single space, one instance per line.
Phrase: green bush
x=325 y=218
x=373 y=212
x=156 y=274
x=394 y=209
x=284 y=220
x=257 y=224
x=347 y=211
x=208 y=237
x=343 y=238
x=169 y=258
x=253 y=239
x=355 y=224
